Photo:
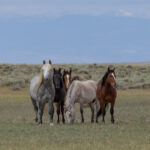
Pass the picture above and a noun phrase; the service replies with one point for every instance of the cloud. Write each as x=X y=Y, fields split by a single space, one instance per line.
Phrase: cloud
x=130 y=51
x=58 y=8
x=125 y=13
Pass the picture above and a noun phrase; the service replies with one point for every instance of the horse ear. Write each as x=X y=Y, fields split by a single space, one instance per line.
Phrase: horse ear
x=70 y=70
x=108 y=69
x=44 y=62
x=50 y=62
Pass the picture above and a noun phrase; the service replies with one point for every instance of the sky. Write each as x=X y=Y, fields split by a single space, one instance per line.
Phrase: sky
x=74 y=31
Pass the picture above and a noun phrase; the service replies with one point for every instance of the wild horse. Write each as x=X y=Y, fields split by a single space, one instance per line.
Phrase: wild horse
x=107 y=93
x=60 y=93
x=42 y=91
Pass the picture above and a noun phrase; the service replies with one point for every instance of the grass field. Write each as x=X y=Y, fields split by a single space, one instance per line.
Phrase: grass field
x=131 y=130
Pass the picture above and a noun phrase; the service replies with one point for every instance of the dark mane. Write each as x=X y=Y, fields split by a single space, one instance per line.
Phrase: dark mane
x=105 y=76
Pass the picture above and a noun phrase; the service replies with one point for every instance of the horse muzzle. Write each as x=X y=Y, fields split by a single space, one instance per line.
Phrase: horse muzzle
x=114 y=85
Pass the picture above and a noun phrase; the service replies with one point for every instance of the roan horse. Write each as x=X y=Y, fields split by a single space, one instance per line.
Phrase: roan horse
x=83 y=92
x=106 y=93
x=42 y=91
x=60 y=93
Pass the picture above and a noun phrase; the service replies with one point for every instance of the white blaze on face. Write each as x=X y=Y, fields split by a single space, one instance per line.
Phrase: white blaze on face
x=113 y=76
x=46 y=71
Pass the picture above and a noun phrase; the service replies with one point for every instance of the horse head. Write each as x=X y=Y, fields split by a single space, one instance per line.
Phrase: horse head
x=109 y=78
x=57 y=78
x=69 y=111
x=46 y=73
x=47 y=70
x=67 y=78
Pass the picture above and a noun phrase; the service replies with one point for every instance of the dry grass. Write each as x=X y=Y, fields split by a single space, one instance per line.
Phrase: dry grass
x=131 y=130
x=129 y=76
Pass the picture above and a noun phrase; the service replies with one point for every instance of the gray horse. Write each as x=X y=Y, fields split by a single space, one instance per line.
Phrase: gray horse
x=42 y=91
x=83 y=92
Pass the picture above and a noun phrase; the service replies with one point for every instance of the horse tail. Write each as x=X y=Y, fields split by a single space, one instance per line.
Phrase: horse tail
x=100 y=110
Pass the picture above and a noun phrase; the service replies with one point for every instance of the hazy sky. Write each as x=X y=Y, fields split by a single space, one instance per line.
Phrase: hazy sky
x=74 y=31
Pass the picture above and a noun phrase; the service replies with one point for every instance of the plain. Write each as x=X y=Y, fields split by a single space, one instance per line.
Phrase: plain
x=130 y=131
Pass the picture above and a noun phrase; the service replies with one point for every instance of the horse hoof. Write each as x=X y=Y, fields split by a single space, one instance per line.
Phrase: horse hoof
x=51 y=124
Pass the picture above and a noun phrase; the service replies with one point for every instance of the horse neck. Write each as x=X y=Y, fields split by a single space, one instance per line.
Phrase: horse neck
x=47 y=83
x=108 y=89
x=58 y=90
x=69 y=100
x=65 y=85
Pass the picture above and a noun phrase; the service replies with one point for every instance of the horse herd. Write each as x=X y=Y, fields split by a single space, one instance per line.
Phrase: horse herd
x=53 y=86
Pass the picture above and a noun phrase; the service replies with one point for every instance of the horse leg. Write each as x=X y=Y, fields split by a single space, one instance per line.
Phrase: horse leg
x=51 y=111
x=35 y=109
x=41 y=109
x=62 y=111
x=92 y=110
x=81 y=111
x=58 y=112
x=112 y=113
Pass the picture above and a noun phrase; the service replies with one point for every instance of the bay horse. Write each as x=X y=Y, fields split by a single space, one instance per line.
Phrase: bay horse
x=107 y=93
x=60 y=93
x=42 y=91
x=67 y=79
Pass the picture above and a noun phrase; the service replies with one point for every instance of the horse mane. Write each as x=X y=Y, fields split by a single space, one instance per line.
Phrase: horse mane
x=39 y=83
x=105 y=76
x=68 y=96
x=41 y=77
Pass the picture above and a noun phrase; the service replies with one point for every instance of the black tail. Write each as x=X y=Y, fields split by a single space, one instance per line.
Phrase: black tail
x=100 y=110
x=99 y=113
